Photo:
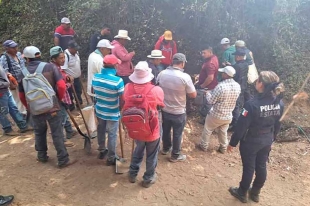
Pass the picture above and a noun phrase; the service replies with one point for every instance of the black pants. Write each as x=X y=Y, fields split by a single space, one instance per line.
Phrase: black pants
x=78 y=88
x=254 y=159
x=176 y=122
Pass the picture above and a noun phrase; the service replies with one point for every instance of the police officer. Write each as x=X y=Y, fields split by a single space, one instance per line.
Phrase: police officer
x=241 y=77
x=256 y=130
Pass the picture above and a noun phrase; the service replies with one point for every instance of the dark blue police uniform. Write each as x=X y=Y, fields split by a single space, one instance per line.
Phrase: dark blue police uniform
x=256 y=130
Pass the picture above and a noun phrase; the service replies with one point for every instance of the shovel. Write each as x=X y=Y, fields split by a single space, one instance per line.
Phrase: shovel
x=120 y=167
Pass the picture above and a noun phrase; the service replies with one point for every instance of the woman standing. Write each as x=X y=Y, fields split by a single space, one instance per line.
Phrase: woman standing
x=256 y=130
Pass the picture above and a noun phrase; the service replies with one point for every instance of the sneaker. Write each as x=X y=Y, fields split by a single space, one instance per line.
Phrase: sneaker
x=11 y=133
x=201 y=148
x=180 y=158
x=254 y=194
x=132 y=179
x=43 y=159
x=26 y=129
x=149 y=183
x=102 y=154
x=69 y=144
x=68 y=163
x=69 y=135
x=221 y=150
x=234 y=191
x=165 y=152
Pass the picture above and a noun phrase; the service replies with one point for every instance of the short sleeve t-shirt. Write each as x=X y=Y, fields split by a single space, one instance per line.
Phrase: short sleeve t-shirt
x=175 y=84
x=64 y=36
x=210 y=67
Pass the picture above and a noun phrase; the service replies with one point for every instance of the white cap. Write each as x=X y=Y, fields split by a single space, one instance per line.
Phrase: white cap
x=122 y=34
x=142 y=73
x=104 y=43
x=31 y=52
x=65 y=20
x=225 y=41
x=229 y=70
x=240 y=43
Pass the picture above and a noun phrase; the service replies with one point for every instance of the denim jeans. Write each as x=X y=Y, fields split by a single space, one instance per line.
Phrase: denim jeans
x=78 y=88
x=176 y=122
x=8 y=105
x=111 y=127
x=65 y=120
x=40 y=130
x=152 y=149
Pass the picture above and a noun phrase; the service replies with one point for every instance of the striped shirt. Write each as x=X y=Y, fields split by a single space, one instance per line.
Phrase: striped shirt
x=107 y=88
x=64 y=36
x=224 y=97
x=175 y=84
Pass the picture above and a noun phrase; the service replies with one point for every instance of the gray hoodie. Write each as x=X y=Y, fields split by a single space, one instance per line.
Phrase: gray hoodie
x=4 y=81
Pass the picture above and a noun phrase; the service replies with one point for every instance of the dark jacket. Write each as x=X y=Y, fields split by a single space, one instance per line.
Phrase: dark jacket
x=4 y=81
x=241 y=76
x=248 y=57
x=259 y=121
x=155 y=71
x=95 y=38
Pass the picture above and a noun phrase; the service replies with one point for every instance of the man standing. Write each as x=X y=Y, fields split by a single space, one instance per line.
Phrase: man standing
x=64 y=33
x=249 y=55
x=125 y=68
x=154 y=61
x=72 y=67
x=105 y=33
x=8 y=106
x=223 y=98
x=241 y=78
x=168 y=47
x=95 y=62
x=13 y=63
x=141 y=84
x=227 y=56
x=53 y=115
x=176 y=85
x=108 y=89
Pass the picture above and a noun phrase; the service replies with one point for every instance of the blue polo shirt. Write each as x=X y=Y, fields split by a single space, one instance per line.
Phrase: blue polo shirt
x=107 y=88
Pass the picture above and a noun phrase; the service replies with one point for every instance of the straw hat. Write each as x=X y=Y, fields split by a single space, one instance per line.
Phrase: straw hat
x=156 y=54
x=122 y=34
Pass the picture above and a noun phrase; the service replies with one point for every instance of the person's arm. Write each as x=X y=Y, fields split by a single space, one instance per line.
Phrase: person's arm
x=190 y=88
x=208 y=80
x=277 y=125
x=57 y=35
x=123 y=55
x=157 y=45
x=242 y=125
x=212 y=97
x=251 y=54
x=93 y=43
x=66 y=64
x=56 y=41
x=60 y=83
x=4 y=64
x=174 y=49
x=4 y=81
x=21 y=94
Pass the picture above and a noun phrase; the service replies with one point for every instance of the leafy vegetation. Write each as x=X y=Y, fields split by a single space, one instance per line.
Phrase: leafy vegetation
x=277 y=31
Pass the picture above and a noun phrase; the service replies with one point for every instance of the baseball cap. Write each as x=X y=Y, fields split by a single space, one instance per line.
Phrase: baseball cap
x=240 y=43
x=104 y=43
x=10 y=44
x=168 y=35
x=111 y=59
x=31 y=52
x=239 y=52
x=225 y=41
x=65 y=20
x=55 y=50
x=229 y=70
x=179 y=57
x=73 y=45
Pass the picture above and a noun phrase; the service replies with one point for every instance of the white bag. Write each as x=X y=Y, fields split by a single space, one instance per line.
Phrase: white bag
x=90 y=118
x=252 y=74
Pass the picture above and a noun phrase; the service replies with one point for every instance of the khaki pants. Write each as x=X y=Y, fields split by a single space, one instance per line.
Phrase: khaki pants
x=21 y=108
x=211 y=124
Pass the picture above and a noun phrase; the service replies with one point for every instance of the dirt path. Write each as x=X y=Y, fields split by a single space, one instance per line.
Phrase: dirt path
x=202 y=180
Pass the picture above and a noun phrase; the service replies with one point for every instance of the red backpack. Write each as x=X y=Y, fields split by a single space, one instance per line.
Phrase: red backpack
x=138 y=115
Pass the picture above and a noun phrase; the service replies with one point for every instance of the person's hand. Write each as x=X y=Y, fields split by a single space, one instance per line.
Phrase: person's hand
x=70 y=79
x=133 y=53
x=228 y=63
x=230 y=149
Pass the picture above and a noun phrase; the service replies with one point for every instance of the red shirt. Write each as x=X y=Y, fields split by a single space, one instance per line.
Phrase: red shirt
x=156 y=92
x=168 y=50
x=64 y=36
x=211 y=66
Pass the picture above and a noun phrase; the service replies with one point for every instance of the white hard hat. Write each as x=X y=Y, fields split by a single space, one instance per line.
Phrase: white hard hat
x=31 y=52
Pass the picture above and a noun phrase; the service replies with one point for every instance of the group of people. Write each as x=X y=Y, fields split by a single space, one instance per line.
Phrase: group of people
x=149 y=98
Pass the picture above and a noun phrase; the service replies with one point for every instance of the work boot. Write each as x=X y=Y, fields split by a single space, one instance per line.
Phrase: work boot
x=254 y=194
x=69 y=144
x=102 y=154
x=69 y=135
x=201 y=148
x=11 y=133
x=26 y=129
x=67 y=163
x=132 y=178
x=165 y=151
x=6 y=200
x=180 y=158
x=234 y=191
x=149 y=183
x=221 y=150
x=43 y=159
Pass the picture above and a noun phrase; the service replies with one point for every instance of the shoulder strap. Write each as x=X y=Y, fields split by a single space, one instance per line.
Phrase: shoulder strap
x=68 y=57
x=40 y=67
x=147 y=90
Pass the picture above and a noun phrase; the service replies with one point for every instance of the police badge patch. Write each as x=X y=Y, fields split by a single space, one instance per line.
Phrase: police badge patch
x=244 y=112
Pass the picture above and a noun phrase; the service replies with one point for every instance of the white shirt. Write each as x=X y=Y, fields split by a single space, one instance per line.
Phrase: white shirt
x=95 y=64
x=73 y=67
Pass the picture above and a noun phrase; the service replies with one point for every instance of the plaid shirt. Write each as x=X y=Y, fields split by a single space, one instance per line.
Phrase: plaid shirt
x=16 y=66
x=66 y=99
x=223 y=98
